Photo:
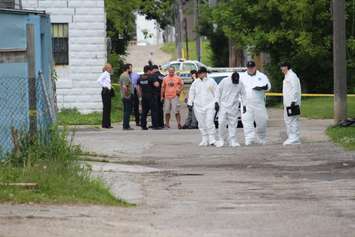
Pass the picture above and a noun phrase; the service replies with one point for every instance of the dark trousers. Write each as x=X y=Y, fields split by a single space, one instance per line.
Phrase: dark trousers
x=106 y=113
x=160 y=113
x=127 y=111
x=136 y=106
x=191 y=121
x=149 y=104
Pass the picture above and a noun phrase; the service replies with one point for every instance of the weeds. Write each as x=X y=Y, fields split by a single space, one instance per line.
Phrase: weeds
x=50 y=160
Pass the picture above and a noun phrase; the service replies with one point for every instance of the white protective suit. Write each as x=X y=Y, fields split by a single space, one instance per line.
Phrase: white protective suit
x=202 y=96
x=256 y=109
x=291 y=91
x=228 y=97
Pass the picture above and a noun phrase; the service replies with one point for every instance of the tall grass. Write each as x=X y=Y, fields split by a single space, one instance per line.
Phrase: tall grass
x=51 y=161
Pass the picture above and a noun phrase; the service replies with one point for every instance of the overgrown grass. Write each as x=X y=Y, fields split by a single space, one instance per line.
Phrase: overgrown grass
x=316 y=107
x=51 y=162
x=170 y=48
x=344 y=136
x=322 y=107
x=74 y=117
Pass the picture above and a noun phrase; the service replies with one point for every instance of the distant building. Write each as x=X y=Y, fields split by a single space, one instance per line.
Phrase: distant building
x=79 y=48
x=148 y=32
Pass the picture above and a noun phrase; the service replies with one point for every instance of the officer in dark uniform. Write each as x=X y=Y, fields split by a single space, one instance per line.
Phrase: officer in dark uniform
x=157 y=96
x=146 y=86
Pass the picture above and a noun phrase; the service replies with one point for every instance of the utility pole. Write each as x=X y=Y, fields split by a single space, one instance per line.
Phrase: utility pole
x=196 y=23
x=178 y=30
x=339 y=61
x=186 y=38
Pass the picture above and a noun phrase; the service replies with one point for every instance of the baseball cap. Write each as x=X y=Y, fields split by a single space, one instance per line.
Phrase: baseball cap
x=251 y=64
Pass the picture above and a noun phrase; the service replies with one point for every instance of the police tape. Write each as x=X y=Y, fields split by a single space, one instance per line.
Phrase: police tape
x=277 y=94
x=306 y=95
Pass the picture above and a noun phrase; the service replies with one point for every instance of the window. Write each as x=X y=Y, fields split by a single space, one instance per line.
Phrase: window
x=188 y=67
x=60 y=40
x=176 y=66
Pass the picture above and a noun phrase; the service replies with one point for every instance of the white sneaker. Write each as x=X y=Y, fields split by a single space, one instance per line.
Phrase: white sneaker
x=212 y=142
x=219 y=144
x=234 y=144
x=204 y=142
x=248 y=143
x=291 y=142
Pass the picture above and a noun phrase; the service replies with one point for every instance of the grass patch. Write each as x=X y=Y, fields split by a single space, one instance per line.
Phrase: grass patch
x=344 y=136
x=170 y=48
x=316 y=107
x=74 y=117
x=53 y=164
x=322 y=107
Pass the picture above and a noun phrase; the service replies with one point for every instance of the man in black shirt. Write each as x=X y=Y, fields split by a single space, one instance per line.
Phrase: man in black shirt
x=157 y=94
x=146 y=86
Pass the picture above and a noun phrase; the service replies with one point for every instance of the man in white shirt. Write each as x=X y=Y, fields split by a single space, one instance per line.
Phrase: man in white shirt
x=255 y=84
x=202 y=98
x=291 y=91
x=107 y=92
x=229 y=94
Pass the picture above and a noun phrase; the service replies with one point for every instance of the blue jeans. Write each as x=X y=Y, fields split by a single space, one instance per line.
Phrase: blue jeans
x=127 y=111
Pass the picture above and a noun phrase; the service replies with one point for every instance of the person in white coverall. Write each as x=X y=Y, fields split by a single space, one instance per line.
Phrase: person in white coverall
x=291 y=91
x=255 y=84
x=202 y=96
x=229 y=94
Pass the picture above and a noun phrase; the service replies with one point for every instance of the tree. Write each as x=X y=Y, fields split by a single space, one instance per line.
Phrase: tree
x=299 y=31
x=121 y=24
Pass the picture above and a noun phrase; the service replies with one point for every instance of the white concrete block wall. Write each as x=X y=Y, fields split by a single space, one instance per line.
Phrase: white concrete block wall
x=76 y=85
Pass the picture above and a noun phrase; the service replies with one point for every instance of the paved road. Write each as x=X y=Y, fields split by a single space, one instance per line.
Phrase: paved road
x=139 y=56
x=183 y=190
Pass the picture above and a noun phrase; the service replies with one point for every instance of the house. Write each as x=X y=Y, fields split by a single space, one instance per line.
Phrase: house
x=148 y=32
x=27 y=101
x=79 y=49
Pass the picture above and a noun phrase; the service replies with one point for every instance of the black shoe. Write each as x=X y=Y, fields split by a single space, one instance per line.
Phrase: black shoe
x=108 y=127
x=185 y=127
x=144 y=128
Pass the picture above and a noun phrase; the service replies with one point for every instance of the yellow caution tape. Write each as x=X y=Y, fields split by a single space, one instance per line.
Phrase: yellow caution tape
x=308 y=95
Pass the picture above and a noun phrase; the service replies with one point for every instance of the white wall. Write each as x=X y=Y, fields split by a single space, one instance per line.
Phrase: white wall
x=76 y=85
x=155 y=34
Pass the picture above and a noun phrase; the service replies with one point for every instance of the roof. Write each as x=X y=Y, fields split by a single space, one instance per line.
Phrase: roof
x=22 y=11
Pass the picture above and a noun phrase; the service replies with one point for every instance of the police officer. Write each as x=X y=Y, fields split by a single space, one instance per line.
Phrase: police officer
x=146 y=85
x=158 y=76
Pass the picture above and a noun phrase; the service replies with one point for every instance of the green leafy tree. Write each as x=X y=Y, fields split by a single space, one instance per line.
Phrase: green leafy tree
x=299 y=31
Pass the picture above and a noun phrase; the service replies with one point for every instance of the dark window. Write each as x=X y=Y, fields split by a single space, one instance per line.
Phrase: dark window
x=60 y=38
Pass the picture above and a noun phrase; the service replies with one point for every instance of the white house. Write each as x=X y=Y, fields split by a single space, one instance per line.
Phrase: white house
x=79 y=47
x=148 y=31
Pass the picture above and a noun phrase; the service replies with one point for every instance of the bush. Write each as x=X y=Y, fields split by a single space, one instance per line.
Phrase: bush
x=51 y=161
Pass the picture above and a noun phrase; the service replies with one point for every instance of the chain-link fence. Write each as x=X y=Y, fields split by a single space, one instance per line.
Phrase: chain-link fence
x=24 y=109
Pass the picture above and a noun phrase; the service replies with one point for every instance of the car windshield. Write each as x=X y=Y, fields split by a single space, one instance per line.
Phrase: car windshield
x=187 y=67
x=176 y=66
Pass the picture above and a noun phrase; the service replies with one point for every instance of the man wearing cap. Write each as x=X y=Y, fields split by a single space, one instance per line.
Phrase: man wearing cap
x=255 y=84
x=202 y=98
x=291 y=90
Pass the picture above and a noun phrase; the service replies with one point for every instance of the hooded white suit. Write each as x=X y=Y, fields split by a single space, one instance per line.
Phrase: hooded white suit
x=291 y=91
x=256 y=109
x=202 y=96
x=228 y=97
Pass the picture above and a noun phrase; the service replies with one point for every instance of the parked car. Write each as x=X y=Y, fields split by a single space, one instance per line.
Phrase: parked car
x=183 y=68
